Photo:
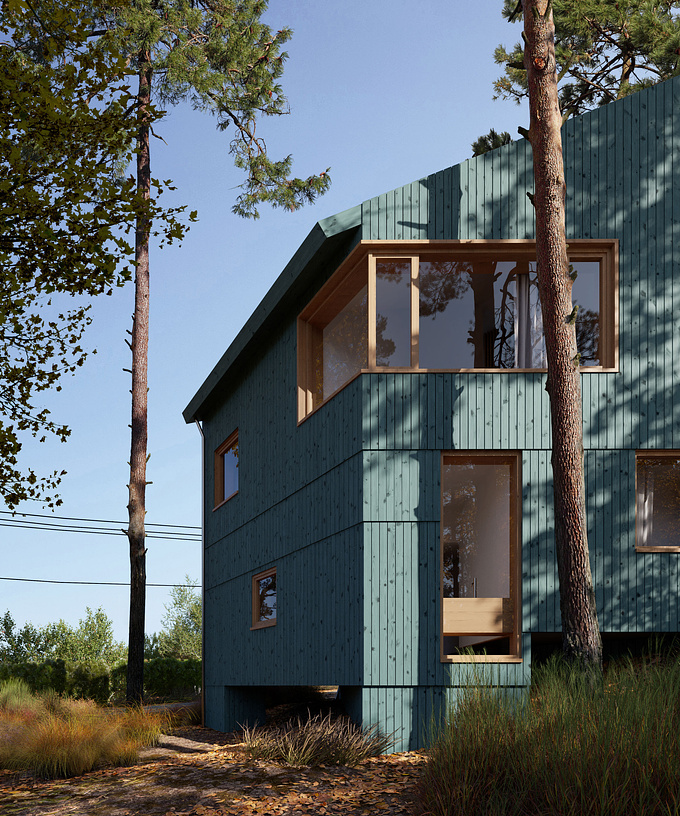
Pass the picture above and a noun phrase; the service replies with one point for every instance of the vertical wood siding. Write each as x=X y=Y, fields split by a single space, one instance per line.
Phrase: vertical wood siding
x=347 y=504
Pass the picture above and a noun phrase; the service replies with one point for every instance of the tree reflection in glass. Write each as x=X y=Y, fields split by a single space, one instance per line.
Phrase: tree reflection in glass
x=267 y=597
x=476 y=527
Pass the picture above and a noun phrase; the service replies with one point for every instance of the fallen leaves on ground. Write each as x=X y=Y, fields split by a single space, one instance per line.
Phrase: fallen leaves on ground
x=218 y=781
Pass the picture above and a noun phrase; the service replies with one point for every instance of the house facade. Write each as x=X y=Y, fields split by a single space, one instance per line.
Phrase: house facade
x=378 y=488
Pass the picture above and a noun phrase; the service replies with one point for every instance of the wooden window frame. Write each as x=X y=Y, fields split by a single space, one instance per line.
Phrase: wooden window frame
x=362 y=261
x=228 y=444
x=651 y=454
x=515 y=613
x=255 y=598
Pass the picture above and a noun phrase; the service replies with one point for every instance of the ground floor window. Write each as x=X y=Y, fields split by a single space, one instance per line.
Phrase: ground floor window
x=264 y=599
x=480 y=556
x=657 y=505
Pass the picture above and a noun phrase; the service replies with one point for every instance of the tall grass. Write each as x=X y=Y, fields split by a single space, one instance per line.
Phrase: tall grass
x=578 y=746
x=318 y=740
x=55 y=736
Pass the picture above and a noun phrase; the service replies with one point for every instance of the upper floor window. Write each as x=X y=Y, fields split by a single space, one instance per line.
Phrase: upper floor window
x=226 y=469
x=657 y=506
x=447 y=305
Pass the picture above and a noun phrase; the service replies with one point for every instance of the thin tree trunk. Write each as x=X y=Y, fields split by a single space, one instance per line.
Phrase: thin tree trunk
x=580 y=633
x=138 y=449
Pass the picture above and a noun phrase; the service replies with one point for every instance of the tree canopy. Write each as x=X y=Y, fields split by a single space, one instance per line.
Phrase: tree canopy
x=66 y=127
x=605 y=50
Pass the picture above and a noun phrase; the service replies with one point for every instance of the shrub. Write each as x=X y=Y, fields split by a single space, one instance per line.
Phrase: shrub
x=319 y=740
x=55 y=736
x=577 y=745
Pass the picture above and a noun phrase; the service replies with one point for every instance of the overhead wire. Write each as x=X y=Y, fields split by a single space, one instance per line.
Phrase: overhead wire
x=93 y=583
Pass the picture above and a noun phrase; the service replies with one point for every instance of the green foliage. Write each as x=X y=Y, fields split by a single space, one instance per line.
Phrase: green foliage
x=66 y=125
x=318 y=740
x=219 y=56
x=165 y=678
x=55 y=736
x=89 y=643
x=490 y=141
x=605 y=49
x=181 y=634
x=580 y=744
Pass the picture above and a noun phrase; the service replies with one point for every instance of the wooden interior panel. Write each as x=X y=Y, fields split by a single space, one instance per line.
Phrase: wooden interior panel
x=477 y=616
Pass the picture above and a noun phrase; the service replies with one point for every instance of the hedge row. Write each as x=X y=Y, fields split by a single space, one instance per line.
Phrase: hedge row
x=164 y=677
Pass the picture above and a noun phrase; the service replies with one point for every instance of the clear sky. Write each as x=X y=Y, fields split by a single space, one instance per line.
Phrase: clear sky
x=383 y=93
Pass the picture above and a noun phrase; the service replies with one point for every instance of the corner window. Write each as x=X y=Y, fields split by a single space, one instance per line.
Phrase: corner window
x=264 y=599
x=479 y=557
x=451 y=306
x=226 y=469
x=657 y=506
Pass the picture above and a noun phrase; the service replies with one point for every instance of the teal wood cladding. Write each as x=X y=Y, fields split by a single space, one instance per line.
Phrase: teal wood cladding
x=346 y=504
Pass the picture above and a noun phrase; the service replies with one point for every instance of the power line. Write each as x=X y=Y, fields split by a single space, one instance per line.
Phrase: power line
x=94 y=583
x=24 y=521
x=94 y=531
x=96 y=521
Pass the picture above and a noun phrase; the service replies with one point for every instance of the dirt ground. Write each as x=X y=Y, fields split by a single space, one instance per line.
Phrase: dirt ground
x=200 y=772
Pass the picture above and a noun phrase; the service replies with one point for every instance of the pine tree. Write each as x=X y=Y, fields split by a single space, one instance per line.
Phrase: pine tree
x=580 y=633
x=219 y=56
x=604 y=50
x=490 y=141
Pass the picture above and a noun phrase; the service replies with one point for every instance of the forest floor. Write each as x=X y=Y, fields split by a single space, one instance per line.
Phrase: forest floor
x=199 y=772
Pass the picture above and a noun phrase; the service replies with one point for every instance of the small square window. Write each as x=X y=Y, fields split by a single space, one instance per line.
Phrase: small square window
x=264 y=599
x=657 y=505
x=226 y=470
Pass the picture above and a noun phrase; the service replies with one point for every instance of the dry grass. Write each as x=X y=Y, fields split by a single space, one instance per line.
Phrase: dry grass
x=318 y=740
x=55 y=736
x=578 y=746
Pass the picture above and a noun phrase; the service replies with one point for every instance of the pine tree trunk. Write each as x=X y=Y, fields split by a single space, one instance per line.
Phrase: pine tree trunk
x=140 y=344
x=580 y=633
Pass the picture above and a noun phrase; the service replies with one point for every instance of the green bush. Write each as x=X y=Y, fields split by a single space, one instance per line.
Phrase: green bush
x=318 y=740
x=577 y=745
x=164 y=677
x=168 y=677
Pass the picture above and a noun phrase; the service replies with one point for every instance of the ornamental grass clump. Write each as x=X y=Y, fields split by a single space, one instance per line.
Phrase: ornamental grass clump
x=56 y=737
x=318 y=740
x=578 y=745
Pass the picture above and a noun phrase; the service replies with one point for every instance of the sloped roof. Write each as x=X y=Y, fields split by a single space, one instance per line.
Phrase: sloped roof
x=325 y=237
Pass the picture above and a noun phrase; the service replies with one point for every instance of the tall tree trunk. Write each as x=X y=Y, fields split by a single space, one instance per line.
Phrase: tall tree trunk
x=140 y=344
x=580 y=633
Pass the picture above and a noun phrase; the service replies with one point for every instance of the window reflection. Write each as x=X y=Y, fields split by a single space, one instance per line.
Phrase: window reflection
x=266 y=588
x=393 y=313
x=658 y=501
x=476 y=536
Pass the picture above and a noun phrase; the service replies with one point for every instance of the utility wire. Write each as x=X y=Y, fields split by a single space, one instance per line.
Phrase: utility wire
x=59 y=523
x=93 y=583
x=97 y=521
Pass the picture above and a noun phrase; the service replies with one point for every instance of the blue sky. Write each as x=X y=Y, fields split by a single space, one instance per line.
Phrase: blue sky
x=383 y=93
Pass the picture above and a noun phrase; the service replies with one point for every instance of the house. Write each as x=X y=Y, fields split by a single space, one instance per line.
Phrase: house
x=378 y=488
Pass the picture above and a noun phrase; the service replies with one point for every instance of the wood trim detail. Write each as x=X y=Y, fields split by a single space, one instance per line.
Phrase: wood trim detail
x=359 y=268
x=653 y=455
x=228 y=443
x=255 y=601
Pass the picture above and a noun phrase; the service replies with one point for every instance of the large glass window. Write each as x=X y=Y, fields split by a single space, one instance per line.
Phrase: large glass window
x=657 y=511
x=452 y=306
x=479 y=540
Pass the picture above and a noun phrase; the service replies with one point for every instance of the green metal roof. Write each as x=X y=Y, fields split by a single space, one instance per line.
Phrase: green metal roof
x=324 y=237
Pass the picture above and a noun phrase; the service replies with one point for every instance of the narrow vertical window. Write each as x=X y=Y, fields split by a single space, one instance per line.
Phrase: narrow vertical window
x=264 y=599
x=479 y=541
x=226 y=469
x=393 y=313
